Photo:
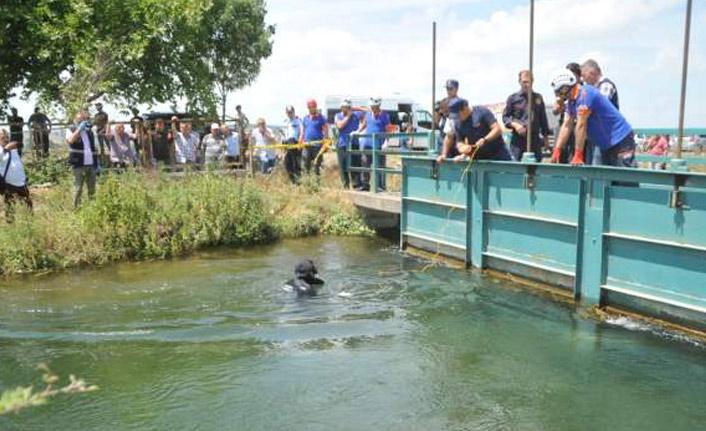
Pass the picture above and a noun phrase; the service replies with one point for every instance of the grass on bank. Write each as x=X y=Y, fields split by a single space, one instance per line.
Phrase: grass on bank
x=139 y=215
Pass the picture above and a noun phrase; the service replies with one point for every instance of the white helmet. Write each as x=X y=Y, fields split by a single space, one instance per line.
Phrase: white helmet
x=563 y=77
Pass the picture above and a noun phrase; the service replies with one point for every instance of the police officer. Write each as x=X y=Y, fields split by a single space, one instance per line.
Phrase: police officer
x=100 y=120
x=478 y=134
x=515 y=119
x=16 y=125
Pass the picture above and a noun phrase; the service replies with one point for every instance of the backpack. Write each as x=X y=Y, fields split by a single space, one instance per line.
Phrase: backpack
x=2 y=178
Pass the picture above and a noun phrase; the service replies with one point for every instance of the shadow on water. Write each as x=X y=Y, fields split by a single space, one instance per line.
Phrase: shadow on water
x=213 y=342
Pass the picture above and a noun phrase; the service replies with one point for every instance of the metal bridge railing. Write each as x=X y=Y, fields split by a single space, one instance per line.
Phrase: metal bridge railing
x=374 y=161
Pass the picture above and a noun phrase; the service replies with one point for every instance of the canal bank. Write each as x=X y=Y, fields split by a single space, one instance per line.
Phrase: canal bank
x=143 y=215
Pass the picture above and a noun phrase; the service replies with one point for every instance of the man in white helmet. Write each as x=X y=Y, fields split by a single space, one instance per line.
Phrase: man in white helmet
x=596 y=118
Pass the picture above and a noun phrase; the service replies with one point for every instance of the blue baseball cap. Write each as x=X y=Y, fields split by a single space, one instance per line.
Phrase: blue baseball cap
x=455 y=105
x=452 y=83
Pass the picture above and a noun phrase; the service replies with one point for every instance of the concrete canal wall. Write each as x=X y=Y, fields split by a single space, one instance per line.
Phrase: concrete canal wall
x=632 y=239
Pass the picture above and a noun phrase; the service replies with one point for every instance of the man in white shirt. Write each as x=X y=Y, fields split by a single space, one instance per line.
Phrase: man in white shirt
x=13 y=182
x=263 y=139
x=214 y=145
x=186 y=143
x=293 y=156
x=81 y=151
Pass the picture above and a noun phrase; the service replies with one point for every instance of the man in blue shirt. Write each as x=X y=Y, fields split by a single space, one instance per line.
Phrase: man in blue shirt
x=293 y=156
x=375 y=121
x=347 y=122
x=478 y=134
x=597 y=118
x=313 y=132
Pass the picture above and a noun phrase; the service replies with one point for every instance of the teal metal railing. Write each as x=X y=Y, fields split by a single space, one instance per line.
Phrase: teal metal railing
x=631 y=238
x=378 y=169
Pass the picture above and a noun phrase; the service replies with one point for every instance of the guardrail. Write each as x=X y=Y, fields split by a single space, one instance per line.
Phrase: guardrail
x=377 y=168
x=630 y=238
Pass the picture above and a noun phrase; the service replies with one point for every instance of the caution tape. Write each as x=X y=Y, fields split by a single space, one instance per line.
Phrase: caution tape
x=324 y=142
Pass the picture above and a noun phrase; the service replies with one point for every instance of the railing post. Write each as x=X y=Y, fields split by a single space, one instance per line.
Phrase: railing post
x=403 y=205
x=349 y=160
x=477 y=203
x=594 y=213
x=374 y=170
x=431 y=149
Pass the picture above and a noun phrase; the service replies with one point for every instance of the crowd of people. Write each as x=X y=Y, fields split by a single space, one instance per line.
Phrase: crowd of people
x=592 y=131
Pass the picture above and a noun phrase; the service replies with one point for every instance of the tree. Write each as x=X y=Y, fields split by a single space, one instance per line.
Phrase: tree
x=239 y=40
x=71 y=52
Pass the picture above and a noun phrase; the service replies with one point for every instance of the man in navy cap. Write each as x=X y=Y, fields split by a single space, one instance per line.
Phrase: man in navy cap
x=478 y=134
x=448 y=147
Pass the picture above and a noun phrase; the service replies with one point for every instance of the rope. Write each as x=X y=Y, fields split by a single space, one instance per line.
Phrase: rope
x=471 y=159
x=325 y=142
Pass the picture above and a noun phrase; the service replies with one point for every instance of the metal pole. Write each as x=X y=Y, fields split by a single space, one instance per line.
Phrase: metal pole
x=433 y=82
x=531 y=71
x=684 y=72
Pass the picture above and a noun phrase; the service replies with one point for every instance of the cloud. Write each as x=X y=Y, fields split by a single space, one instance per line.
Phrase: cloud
x=371 y=47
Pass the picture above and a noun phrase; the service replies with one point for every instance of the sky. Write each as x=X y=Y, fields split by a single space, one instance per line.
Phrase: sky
x=383 y=48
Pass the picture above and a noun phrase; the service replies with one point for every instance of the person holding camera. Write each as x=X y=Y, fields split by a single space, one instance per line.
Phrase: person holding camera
x=82 y=150
x=13 y=181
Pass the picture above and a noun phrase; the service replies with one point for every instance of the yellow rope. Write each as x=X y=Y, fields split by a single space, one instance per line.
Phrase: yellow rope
x=296 y=146
x=471 y=159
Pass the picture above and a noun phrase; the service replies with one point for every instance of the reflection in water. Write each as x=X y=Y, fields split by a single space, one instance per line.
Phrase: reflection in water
x=212 y=342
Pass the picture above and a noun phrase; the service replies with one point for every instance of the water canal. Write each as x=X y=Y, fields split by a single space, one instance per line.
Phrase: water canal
x=212 y=343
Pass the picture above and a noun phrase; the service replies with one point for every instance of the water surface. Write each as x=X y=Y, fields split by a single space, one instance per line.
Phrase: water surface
x=212 y=343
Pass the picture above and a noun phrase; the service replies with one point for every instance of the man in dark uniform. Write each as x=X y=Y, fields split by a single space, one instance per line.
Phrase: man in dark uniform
x=478 y=134
x=16 y=135
x=100 y=120
x=515 y=119
x=40 y=125
x=163 y=143
x=136 y=126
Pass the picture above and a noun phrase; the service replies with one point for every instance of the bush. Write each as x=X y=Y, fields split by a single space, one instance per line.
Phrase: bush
x=137 y=215
x=52 y=169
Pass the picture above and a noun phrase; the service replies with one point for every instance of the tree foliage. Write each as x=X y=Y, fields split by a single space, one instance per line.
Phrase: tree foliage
x=71 y=52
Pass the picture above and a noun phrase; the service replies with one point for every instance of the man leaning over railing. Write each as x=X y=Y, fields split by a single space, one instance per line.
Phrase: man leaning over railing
x=597 y=118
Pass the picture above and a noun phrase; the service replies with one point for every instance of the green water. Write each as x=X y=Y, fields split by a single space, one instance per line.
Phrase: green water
x=213 y=343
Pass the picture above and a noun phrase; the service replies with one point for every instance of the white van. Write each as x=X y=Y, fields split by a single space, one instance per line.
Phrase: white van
x=397 y=108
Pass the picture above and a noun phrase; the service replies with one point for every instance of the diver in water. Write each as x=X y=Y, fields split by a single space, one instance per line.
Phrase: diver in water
x=305 y=281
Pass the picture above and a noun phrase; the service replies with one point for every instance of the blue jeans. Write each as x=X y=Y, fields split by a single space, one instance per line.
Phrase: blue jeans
x=621 y=155
x=309 y=155
x=265 y=166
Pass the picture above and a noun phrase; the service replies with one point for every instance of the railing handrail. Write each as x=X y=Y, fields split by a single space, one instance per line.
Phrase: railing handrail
x=669 y=131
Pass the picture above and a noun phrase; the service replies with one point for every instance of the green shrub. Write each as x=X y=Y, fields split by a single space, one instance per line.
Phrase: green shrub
x=136 y=215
